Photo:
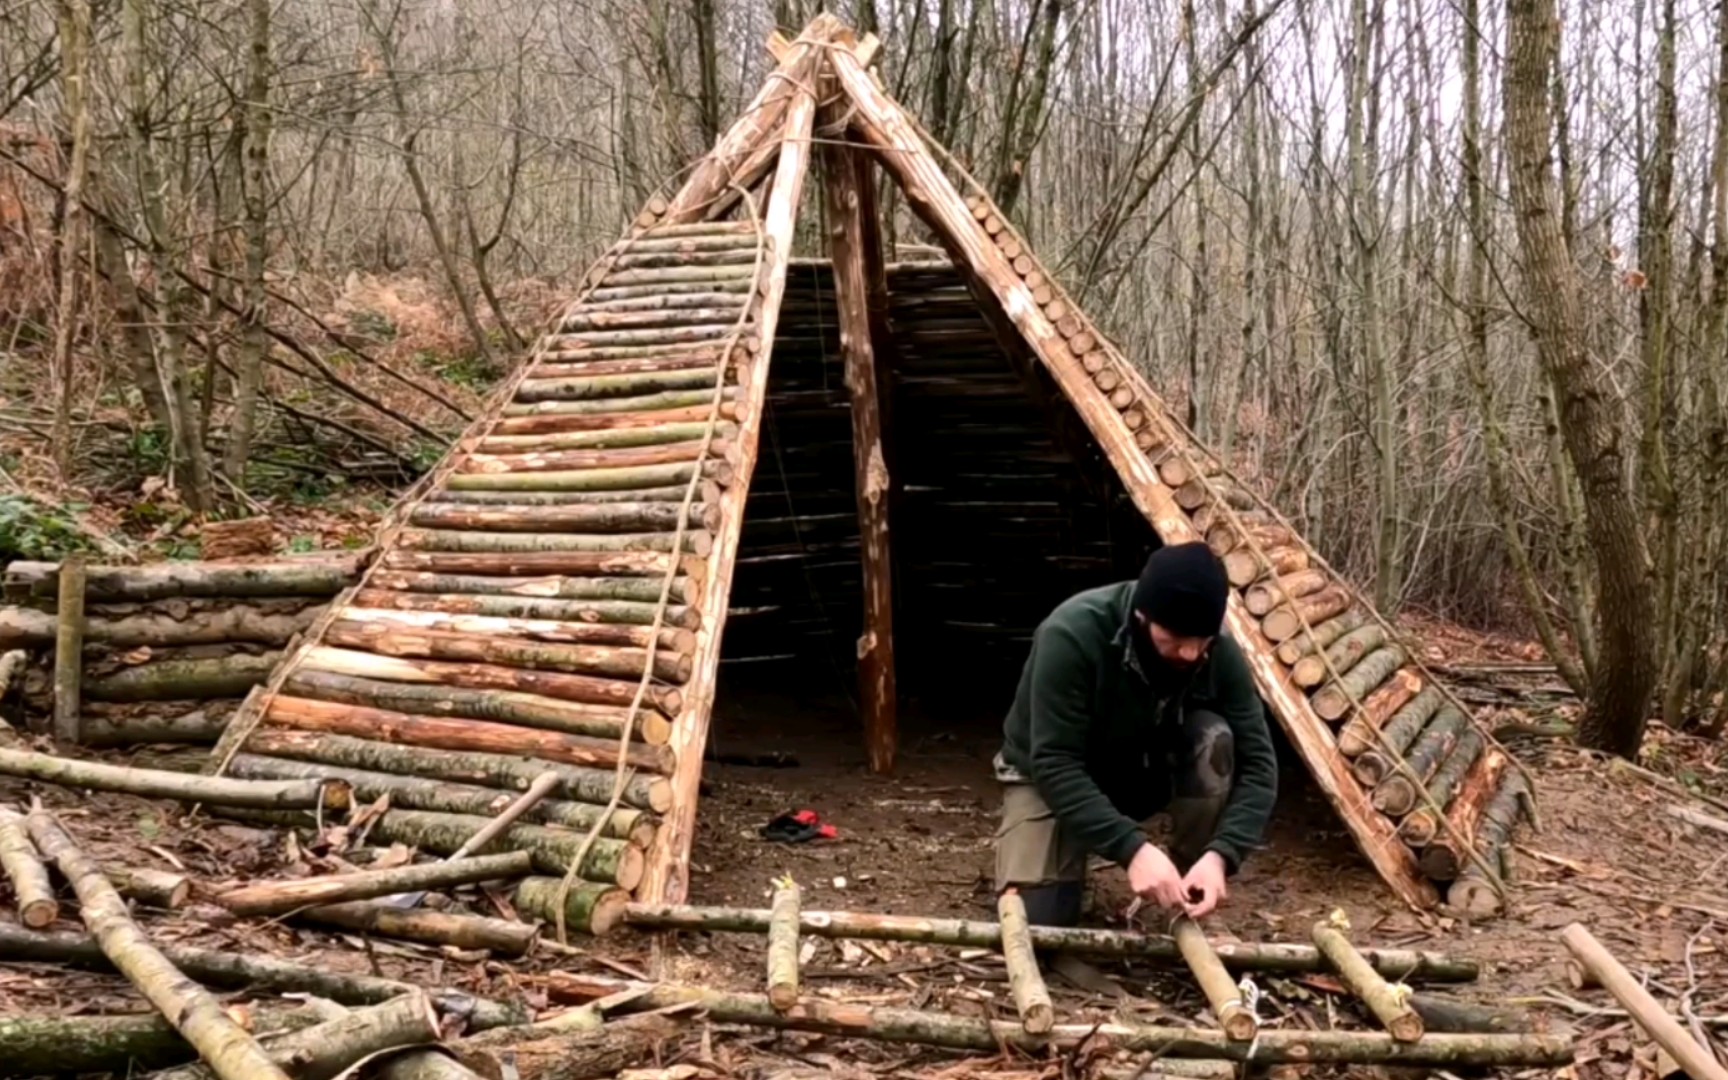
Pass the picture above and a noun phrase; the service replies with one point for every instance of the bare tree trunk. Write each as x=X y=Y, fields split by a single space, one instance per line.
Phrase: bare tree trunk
x=1023 y=117
x=708 y=65
x=1616 y=711
x=75 y=74
x=249 y=376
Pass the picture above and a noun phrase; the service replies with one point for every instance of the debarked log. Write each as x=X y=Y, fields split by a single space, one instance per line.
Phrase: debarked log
x=153 y=783
x=325 y=1050
x=1362 y=732
x=1476 y=893
x=1443 y=856
x=32 y=892
x=152 y=888
x=537 y=630
x=967 y=1033
x=609 y=439
x=184 y=680
x=692 y=542
x=403 y=641
x=627 y=612
x=226 y=967
x=589 y=518
x=501 y=936
x=1289 y=620
x=278 y=897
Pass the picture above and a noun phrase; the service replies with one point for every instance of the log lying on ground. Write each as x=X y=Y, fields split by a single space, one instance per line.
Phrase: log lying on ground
x=153 y=888
x=241 y=623
x=152 y=783
x=198 y=727
x=32 y=892
x=589 y=908
x=1335 y=700
x=123 y=1045
x=1398 y=793
x=1222 y=994
x=967 y=1033
x=278 y=897
x=564 y=1049
x=1393 y=1012
x=1443 y=1014
x=324 y=1051
x=259 y=974
x=528 y=710
x=229 y=1050
x=459 y=733
x=1402 y=964
x=501 y=936
x=1656 y=1021
x=1031 y=998
x=1158 y=1067
x=1474 y=892
x=1381 y=760
x=511 y=773
x=184 y=680
x=413 y=793
x=162 y=581
x=609 y=862
x=783 y=947
x=1443 y=841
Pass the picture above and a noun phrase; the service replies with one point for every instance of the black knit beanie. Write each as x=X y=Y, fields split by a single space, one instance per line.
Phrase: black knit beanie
x=1183 y=589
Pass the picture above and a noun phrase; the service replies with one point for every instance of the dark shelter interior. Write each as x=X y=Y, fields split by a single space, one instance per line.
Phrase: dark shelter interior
x=1001 y=507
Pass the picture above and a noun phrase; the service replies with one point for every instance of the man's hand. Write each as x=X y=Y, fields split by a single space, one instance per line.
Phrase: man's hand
x=1154 y=877
x=1204 y=886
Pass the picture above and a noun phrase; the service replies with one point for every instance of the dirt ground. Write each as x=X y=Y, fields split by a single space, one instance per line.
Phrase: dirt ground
x=1609 y=854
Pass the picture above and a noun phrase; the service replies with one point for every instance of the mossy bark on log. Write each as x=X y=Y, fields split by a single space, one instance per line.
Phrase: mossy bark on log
x=32 y=892
x=622 y=612
x=414 y=642
x=1222 y=993
x=595 y=518
x=1342 y=655
x=1261 y=598
x=1243 y=566
x=608 y=862
x=195 y=1014
x=636 y=590
x=1422 y=821
x=1335 y=700
x=164 y=581
x=1473 y=892
x=707 y=492
x=629 y=457
x=239 y=623
x=1285 y=622
x=648 y=416
x=1362 y=732
x=1380 y=761
x=586 y=689
x=1443 y=847
x=783 y=947
x=606 y=439
x=184 y=680
x=528 y=710
x=604 y=387
x=1324 y=634
x=1394 y=1014
x=152 y=888
x=698 y=400
x=198 y=727
x=639 y=476
x=1403 y=964
x=1444 y=1014
x=695 y=541
x=501 y=936
x=415 y=793
x=920 y=1026
x=1396 y=795
x=122 y=1045
x=223 y=967
x=157 y=784
x=459 y=733
x=591 y=908
x=280 y=897
x=555 y=631
x=324 y=1051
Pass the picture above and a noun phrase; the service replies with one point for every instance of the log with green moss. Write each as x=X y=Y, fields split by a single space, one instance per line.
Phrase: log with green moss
x=590 y=907
x=1380 y=761
x=183 y=679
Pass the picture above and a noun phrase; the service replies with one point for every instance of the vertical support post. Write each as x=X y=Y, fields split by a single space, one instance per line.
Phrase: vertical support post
x=69 y=652
x=846 y=180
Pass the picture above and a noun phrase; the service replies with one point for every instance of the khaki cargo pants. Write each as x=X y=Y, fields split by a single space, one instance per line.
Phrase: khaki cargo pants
x=1033 y=849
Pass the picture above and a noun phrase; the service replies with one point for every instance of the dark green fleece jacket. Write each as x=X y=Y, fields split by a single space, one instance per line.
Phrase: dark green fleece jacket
x=1091 y=731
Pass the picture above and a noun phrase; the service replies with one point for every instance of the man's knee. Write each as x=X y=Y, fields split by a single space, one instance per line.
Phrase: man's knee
x=1210 y=768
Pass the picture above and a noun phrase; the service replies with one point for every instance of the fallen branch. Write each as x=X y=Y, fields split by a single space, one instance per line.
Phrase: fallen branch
x=184 y=680
x=258 y=974
x=566 y=1048
x=1404 y=964
x=70 y=1045
x=157 y=784
x=1646 y=1011
x=537 y=791
x=164 y=581
x=197 y=727
x=783 y=947
x=32 y=892
x=155 y=888
x=501 y=936
x=1699 y=819
x=278 y=897
x=1031 y=998
x=921 y=1026
x=325 y=1050
x=1387 y=1004
x=231 y=1053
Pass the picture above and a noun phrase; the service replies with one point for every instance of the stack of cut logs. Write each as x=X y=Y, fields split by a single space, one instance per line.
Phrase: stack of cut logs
x=1450 y=792
x=569 y=542
x=195 y=636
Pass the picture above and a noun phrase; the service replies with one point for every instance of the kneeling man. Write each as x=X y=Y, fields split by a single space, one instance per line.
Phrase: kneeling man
x=1133 y=703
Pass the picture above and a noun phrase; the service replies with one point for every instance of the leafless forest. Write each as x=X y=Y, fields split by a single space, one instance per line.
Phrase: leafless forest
x=1447 y=278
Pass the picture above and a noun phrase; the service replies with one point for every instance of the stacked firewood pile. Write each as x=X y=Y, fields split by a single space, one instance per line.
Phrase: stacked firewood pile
x=192 y=638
